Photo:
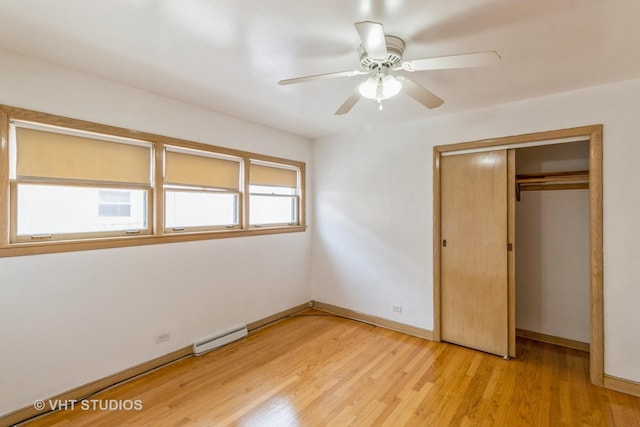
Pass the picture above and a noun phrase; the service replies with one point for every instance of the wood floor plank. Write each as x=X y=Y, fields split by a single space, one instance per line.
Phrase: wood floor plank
x=319 y=370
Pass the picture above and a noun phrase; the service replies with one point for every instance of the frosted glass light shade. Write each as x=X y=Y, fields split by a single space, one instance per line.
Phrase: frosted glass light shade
x=369 y=88
x=390 y=87
x=380 y=88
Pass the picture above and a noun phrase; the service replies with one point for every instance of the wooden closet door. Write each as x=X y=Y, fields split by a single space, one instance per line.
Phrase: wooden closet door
x=474 y=280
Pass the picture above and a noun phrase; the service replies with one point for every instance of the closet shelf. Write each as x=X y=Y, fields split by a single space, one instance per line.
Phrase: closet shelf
x=551 y=177
x=570 y=180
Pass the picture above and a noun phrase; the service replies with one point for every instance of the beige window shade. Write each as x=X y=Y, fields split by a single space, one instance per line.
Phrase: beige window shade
x=42 y=154
x=268 y=175
x=189 y=169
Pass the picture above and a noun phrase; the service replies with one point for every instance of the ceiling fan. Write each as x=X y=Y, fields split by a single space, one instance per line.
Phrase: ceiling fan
x=380 y=56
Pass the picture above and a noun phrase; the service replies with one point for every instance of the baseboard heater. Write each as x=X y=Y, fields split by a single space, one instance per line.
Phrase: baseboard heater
x=207 y=344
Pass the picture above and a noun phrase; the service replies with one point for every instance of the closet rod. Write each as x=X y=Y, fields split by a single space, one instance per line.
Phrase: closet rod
x=569 y=180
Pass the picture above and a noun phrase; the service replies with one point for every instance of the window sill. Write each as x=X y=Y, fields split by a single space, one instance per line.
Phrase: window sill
x=36 y=248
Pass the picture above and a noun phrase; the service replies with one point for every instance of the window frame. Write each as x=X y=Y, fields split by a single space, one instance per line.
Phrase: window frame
x=190 y=188
x=52 y=237
x=296 y=204
x=200 y=228
x=155 y=192
x=74 y=182
x=296 y=196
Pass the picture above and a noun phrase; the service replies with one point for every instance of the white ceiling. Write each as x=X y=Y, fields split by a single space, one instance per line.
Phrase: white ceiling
x=228 y=55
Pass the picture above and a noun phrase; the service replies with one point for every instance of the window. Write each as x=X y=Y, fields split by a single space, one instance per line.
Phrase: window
x=46 y=211
x=274 y=194
x=202 y=190
x=71 y=184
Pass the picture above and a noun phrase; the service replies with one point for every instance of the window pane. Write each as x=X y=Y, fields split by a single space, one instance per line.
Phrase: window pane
x=115 y=196
x=200 y=209
x=272 y=209
x=114 y=203
x=114 y=210
x=52 y=209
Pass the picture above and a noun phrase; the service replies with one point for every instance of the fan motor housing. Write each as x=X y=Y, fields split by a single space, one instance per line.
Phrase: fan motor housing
x=395 y=49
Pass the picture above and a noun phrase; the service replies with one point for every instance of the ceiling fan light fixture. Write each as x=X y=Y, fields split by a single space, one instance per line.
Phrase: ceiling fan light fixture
x=380 y=87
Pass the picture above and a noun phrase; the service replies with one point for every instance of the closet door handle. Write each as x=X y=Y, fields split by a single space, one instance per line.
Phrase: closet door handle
x=444 y=243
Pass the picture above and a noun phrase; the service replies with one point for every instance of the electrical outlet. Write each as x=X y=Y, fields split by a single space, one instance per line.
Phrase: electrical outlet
x=397 y=308
x=162 y=337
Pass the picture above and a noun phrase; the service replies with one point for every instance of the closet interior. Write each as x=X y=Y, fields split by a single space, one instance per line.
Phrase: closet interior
x=552 y=243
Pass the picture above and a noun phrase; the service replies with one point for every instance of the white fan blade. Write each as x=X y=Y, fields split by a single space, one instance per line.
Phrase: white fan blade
x=420 y=94
x=372 y=36
x=468 y=60
x=321 y=77
x=349 y=103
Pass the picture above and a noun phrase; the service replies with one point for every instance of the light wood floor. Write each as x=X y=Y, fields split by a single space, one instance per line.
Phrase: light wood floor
x=328 y=371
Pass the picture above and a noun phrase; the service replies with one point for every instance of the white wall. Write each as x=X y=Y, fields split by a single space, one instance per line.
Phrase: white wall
x=552 y=247
x=71 y=318
x=373 y=208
